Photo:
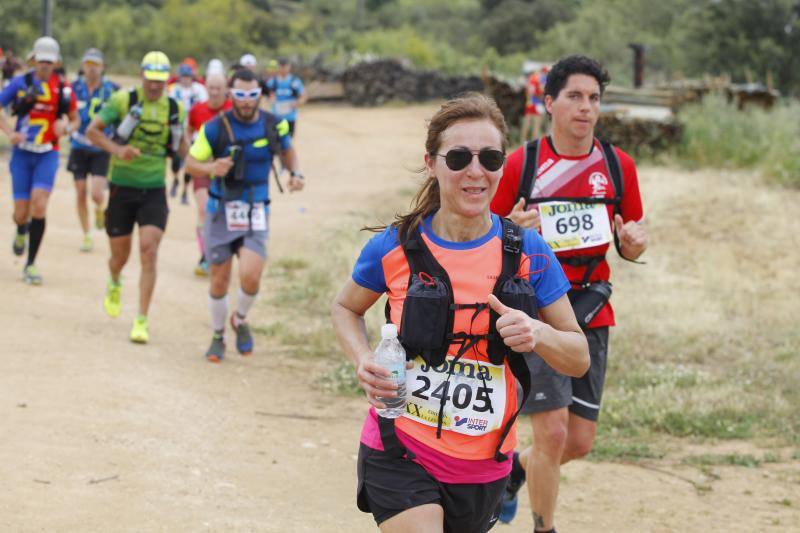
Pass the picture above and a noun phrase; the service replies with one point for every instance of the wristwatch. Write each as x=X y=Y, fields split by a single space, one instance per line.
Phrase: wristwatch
x=297 y=175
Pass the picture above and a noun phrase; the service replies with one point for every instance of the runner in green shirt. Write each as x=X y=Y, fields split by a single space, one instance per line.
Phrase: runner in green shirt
x=150 y=126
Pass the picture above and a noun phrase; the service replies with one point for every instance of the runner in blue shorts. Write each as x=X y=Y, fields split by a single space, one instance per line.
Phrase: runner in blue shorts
x=45 y=109
x=236 y=150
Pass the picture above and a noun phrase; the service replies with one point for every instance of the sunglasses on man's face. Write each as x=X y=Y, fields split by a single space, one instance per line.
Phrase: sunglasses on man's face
x=459 y=158
x=241 y=94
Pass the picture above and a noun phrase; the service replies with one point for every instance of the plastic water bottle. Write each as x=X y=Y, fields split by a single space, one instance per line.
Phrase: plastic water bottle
x=391 y=356
x=177 y=132
x=129 y=123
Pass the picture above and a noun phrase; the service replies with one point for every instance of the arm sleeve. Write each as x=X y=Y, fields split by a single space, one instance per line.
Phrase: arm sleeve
x=201 y=147
x=368 y=270
x=506 y=194
x=546 y=274
x=631 y=205
x=298 y=84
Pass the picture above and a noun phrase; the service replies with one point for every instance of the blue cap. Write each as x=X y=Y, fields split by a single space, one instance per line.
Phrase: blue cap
x=185 y=70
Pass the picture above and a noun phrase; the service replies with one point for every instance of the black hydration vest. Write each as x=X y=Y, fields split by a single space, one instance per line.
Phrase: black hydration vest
x=233 y=183
x=174 y=116
x=429 y=315
x=24 y=105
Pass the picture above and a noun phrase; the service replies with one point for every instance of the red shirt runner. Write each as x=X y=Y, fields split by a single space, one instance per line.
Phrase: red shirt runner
x=579 y=177
x=39 y=124
x=202 y=113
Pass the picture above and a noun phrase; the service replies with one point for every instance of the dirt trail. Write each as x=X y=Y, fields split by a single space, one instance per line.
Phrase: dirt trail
x=98 y=434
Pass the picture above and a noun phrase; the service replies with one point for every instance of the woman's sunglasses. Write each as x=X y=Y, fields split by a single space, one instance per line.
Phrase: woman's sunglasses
x=489 y=158
x=240 y=94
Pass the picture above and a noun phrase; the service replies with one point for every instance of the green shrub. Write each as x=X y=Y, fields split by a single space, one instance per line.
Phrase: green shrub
x=718 y=135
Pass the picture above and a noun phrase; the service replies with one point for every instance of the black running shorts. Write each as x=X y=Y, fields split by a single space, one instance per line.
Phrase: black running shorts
x=551 y=390
x=128 y=206
x=387 y=486
x=84 y=162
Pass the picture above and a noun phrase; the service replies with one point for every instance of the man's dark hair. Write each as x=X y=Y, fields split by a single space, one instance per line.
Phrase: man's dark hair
x=575 y=64
x=243 y=74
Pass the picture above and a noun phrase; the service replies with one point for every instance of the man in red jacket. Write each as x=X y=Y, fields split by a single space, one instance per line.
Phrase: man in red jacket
x=582 y=195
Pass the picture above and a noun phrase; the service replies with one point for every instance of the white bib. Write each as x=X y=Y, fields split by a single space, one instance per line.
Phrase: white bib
x=471 y=408
x=239 y=218
x=573 y=225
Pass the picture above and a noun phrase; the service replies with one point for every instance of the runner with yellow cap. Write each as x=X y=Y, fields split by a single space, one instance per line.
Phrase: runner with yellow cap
x=149 y=126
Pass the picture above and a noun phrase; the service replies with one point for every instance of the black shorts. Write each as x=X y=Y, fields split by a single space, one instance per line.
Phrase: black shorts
x=129 y=205
x=387 y=486
x=291 y=127
x=551 y=390
x=84 y=162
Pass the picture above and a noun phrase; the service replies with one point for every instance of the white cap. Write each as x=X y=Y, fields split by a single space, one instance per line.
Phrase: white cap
x=46 y=49
x=248 y=60
x=215 y=66
x=388 y=331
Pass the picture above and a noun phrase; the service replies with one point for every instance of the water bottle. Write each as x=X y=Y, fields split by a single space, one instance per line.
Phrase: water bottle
x=177 y=132
x=129 y=123
x=391 y=356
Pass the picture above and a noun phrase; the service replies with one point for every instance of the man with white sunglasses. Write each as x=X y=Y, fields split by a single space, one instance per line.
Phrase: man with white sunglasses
x=236 y=150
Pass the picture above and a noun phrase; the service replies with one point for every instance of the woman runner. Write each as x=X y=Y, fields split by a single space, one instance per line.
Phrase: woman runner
x=442 y=466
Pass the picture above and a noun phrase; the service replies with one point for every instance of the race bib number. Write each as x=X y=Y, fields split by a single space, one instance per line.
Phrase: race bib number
x=239 y=217
x=283 y=108
x=475 y=395
x=572 y=226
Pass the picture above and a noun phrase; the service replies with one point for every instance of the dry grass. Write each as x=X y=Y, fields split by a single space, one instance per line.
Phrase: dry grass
x=708 y=343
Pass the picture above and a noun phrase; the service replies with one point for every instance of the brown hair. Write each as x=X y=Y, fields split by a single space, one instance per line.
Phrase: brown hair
x=470 y=106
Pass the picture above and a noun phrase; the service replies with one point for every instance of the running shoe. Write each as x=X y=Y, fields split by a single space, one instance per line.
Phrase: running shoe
x=508 y=506
x=88 y=243
x=201 y=269
x=31 y=276
x=19 y=244
x=244 y=339
x=185 y=198
x=139 y=332
x=216 y=352
x=112 y=303
x=173 y=191
x=99 y=217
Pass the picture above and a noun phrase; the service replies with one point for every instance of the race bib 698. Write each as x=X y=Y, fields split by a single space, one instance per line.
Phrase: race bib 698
x=574 y=225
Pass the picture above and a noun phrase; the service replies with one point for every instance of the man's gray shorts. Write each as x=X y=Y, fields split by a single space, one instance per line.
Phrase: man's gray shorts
x=551 y=390
x=222 y=244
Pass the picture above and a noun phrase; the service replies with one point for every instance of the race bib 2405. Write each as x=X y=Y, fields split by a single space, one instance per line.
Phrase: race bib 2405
x=474 y=397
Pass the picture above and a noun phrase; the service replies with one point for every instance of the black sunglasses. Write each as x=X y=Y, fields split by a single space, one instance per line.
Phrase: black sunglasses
x=459 y=158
